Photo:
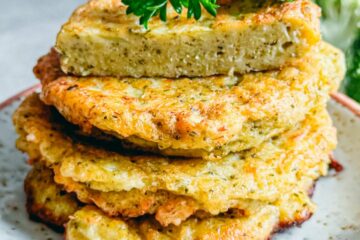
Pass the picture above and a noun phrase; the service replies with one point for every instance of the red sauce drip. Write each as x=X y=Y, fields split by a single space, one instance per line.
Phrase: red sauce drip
x=336 y=165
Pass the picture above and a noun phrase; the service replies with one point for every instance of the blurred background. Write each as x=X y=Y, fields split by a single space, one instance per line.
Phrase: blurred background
x=341 y=27
x=28 y=29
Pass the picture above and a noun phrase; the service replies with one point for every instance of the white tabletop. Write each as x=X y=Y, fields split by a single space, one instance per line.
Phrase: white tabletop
x=27 y=30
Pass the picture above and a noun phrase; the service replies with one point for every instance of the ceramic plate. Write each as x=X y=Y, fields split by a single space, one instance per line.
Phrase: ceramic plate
x=337 y=196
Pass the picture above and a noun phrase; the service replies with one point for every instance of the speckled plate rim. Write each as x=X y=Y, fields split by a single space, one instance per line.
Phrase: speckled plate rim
x=340 y=98
x=21 y=94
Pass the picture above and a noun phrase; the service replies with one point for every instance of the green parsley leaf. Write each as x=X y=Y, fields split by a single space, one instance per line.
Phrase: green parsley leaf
x=146 y=9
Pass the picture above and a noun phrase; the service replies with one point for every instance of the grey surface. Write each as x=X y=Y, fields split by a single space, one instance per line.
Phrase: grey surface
x=27 y=30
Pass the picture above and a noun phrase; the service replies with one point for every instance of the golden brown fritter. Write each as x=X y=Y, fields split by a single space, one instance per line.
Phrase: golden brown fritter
x=47 y=201
x=133 y=185
x=89 y=223
x=169 y=209
x=205 y=117
x=100 y=39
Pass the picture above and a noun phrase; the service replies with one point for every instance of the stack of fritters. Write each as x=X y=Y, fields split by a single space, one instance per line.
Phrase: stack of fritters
x=215 y=129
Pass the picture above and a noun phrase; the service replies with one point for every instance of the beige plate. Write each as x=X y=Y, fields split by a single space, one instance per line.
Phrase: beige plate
x=338 y=195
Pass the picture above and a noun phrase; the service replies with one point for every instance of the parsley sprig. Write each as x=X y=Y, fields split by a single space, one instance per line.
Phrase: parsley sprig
x=146 y=9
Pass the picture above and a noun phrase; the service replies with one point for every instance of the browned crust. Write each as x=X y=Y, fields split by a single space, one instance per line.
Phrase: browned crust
x=47 y=68
x=105 y=200
x=170 y=130
x=40 y=213
x=306 y=10
x=45 y=219
x=299 y=220
x=167 y=209
x=283 y=226
x=340 y=98
x=175 y=211
x=44 y=215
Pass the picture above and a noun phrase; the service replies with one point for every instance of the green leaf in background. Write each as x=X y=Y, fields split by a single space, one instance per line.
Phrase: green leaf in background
x=341 y=27
x=340 y=21
x=352 y=82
